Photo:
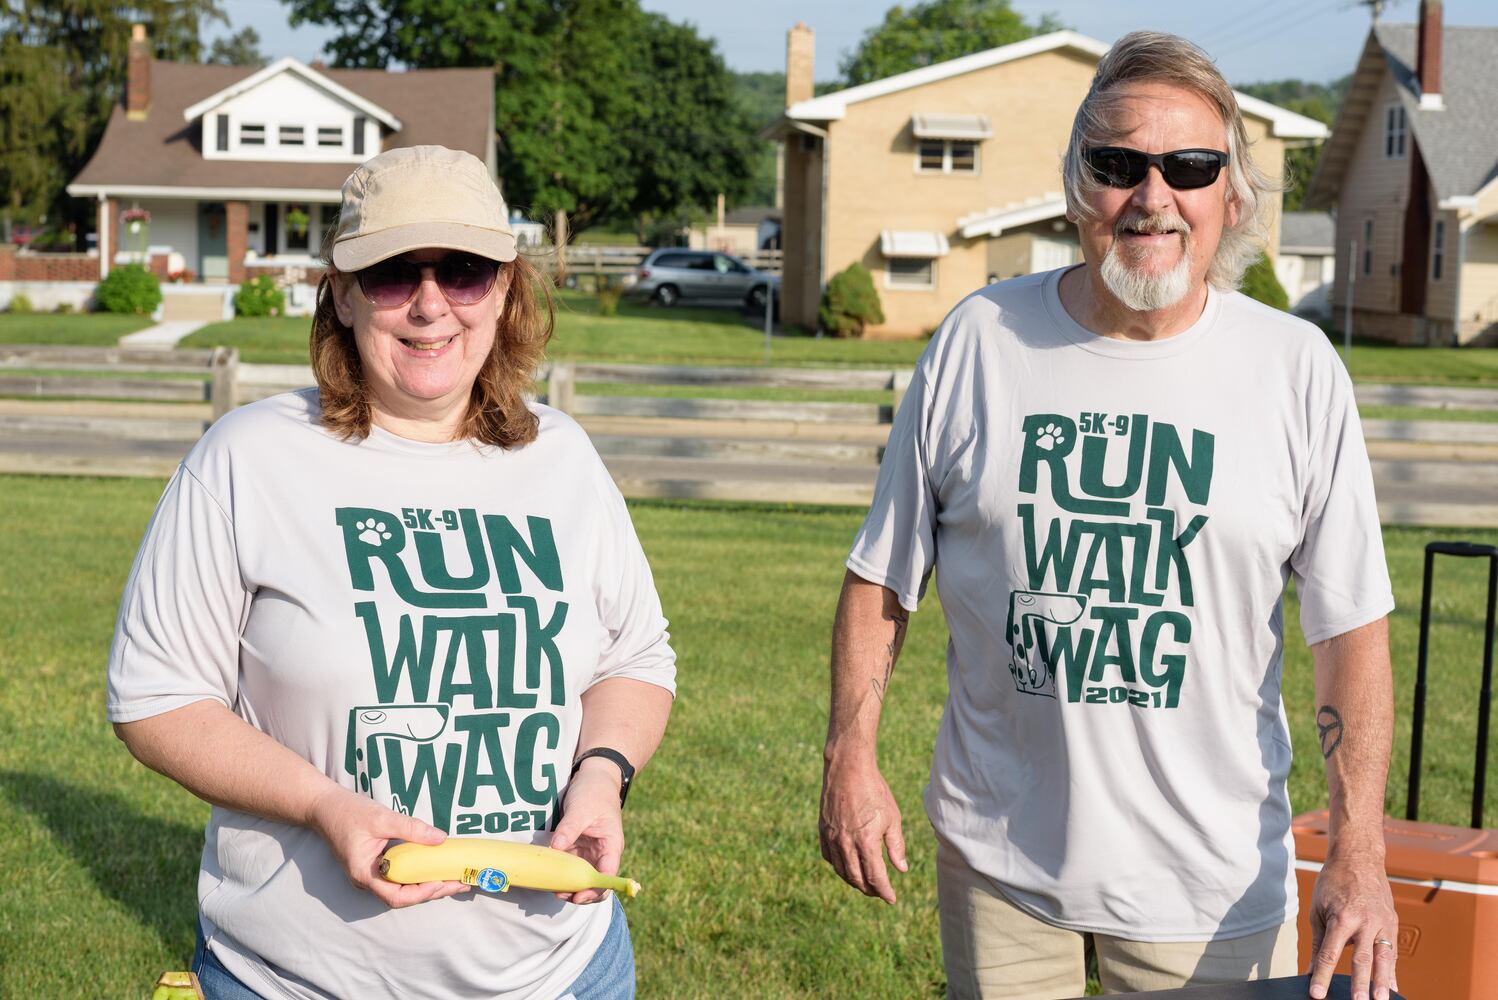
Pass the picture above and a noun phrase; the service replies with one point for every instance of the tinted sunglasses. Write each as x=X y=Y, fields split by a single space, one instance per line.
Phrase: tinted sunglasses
x=464 y=279
x=1183 y=169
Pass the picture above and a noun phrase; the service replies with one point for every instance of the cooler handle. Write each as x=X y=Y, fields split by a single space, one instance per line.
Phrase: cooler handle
x=1484 y=703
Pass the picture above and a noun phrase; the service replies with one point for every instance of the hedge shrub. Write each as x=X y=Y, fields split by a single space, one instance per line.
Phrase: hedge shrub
x=850 y=303
x=129 y=288
x=1260 y=283
x=259 y=297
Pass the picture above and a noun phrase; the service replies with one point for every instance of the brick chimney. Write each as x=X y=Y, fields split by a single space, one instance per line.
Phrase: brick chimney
x=800 y=49
x=138 y=76
x=1428 y=55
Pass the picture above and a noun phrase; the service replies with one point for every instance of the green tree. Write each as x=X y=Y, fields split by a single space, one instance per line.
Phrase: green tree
x=62 y=71
x=935 y=31
x=1260 y=282
x=1320 y=101
x=596 y=117
x=239 y=49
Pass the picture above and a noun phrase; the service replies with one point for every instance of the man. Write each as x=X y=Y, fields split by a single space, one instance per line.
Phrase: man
x=1114 y=469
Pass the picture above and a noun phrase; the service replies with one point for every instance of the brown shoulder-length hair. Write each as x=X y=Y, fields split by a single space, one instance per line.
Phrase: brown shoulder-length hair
x=497 y=414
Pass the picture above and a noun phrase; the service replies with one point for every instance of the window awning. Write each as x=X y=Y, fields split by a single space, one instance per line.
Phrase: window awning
x=913 y=243
x=969 y=127
x=994 y=221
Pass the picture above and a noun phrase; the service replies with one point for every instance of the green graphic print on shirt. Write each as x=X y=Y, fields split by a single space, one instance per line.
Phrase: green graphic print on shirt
x=466 y=683
x=1092 y=618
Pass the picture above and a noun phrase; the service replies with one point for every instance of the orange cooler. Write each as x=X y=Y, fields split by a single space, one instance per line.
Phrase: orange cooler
x=1445 y=883
x=1444 y=878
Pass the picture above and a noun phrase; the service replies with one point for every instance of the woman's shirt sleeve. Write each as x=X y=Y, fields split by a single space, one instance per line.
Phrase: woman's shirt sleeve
x=635 y=642
x=176 y=640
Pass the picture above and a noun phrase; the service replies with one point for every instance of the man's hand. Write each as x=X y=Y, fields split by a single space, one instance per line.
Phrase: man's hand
x=358 y=830
x=1352 y=905
x=859 y=820
x=592 y=826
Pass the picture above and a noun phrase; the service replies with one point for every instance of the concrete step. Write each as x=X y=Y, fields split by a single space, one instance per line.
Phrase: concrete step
x=205 y=305
x=1429 y=396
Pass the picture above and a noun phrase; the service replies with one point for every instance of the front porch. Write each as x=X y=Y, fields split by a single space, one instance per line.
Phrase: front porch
x=196 y=240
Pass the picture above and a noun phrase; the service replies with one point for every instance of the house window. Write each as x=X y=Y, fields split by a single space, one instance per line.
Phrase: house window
x=1438 y=251
x=293 y=135
x=360 y=122
x=1394 y=130
x=330 y=136
x=910 y=272
x=1367 y=246
x=223 y=133
x=947 y=156
x=298 y=224
x=252 y=135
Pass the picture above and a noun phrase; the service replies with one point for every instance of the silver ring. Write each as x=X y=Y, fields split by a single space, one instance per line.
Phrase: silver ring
x=1384 y=941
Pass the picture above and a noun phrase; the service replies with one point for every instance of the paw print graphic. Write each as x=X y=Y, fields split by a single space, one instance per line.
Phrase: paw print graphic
x=372 y=532
x=1050 y=436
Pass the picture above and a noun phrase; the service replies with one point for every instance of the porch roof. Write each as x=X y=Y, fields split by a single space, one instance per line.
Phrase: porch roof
x=993 y=221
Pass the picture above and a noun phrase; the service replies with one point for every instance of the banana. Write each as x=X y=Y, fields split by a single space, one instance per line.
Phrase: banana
x=495 y=865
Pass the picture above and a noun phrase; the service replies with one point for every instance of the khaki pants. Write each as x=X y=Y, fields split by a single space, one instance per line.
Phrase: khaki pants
x=996 y=951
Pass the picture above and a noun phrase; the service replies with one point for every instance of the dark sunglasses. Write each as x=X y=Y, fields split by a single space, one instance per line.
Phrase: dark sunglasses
x=1183 y=169
x=464 y=279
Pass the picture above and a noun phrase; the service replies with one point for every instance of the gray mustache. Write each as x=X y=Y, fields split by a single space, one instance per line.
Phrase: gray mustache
x=1163 y=223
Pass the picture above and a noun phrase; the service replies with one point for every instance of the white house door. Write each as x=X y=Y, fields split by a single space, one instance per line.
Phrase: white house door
x=1048 y=254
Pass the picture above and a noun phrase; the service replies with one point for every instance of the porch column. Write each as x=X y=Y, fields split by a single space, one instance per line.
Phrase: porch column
x=237 y=233
x=108 y=228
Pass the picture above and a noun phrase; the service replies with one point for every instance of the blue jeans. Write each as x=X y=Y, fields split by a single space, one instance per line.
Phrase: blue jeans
x=609 y=974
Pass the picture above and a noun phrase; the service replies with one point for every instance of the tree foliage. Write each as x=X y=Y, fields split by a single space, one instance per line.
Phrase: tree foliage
x=935 y=31
x=1320 y=101
x=62 y=71
x=602 y=110
x=239 y=49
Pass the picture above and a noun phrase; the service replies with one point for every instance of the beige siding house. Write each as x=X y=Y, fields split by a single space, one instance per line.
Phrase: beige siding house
x=948 y=177
x=1412 y=172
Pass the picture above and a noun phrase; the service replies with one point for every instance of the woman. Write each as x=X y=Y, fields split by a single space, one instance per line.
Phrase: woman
x=402 y=605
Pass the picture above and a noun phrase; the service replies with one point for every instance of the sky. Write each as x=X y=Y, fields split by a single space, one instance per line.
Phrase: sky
x=1315 y=40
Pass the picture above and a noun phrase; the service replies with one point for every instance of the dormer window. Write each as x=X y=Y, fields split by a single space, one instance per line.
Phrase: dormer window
x=251 y=135
x=1394 y=132
x=330 y=136
x=293 y=135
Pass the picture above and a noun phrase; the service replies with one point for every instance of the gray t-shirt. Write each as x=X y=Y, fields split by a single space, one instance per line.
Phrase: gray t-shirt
x=1112 y=524
x=419 y=621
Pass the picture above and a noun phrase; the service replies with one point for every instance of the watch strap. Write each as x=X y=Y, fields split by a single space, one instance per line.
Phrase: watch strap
x=626 y=769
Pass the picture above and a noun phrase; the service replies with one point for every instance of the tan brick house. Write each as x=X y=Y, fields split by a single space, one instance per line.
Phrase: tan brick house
x=947 y=177
x=1412 y=172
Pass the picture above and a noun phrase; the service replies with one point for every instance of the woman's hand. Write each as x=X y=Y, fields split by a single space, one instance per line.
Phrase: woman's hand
x=592 y=826
x=359 y=829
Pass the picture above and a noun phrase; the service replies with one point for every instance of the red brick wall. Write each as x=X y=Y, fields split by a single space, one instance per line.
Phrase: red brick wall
x=308 y=275
x=47 y=266
x=237 y=221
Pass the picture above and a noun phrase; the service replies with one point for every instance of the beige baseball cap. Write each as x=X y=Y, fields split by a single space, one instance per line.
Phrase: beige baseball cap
x=420 y=196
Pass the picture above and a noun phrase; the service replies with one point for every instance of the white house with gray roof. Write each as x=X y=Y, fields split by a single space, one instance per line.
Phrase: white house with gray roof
x=1412 y=173
x=1307 y=262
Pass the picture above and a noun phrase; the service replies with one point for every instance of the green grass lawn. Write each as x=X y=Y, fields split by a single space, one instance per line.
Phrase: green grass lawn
x=640 y=333
x=1372 y=362
x=98 y=856
x=91 y=329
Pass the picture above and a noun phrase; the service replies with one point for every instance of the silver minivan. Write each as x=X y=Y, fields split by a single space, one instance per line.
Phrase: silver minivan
x=669 y=275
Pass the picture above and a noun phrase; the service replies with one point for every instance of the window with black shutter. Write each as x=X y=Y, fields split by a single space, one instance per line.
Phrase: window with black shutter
x=223 y=133
x=272 y=230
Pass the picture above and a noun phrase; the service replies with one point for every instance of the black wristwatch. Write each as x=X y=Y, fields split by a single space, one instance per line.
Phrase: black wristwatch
x=625 y=767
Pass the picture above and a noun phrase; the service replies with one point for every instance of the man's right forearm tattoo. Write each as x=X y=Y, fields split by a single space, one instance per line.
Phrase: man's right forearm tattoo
x=1329 y=725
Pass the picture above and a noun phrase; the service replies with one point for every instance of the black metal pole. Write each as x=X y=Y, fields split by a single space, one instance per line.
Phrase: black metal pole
x=1417 y=733
x=1485 y=701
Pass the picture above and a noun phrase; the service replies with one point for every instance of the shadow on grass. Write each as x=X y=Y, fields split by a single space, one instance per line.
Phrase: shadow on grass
x=146 y=864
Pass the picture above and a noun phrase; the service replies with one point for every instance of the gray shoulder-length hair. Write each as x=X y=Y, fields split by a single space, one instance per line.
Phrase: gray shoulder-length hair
x=1158 y=57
